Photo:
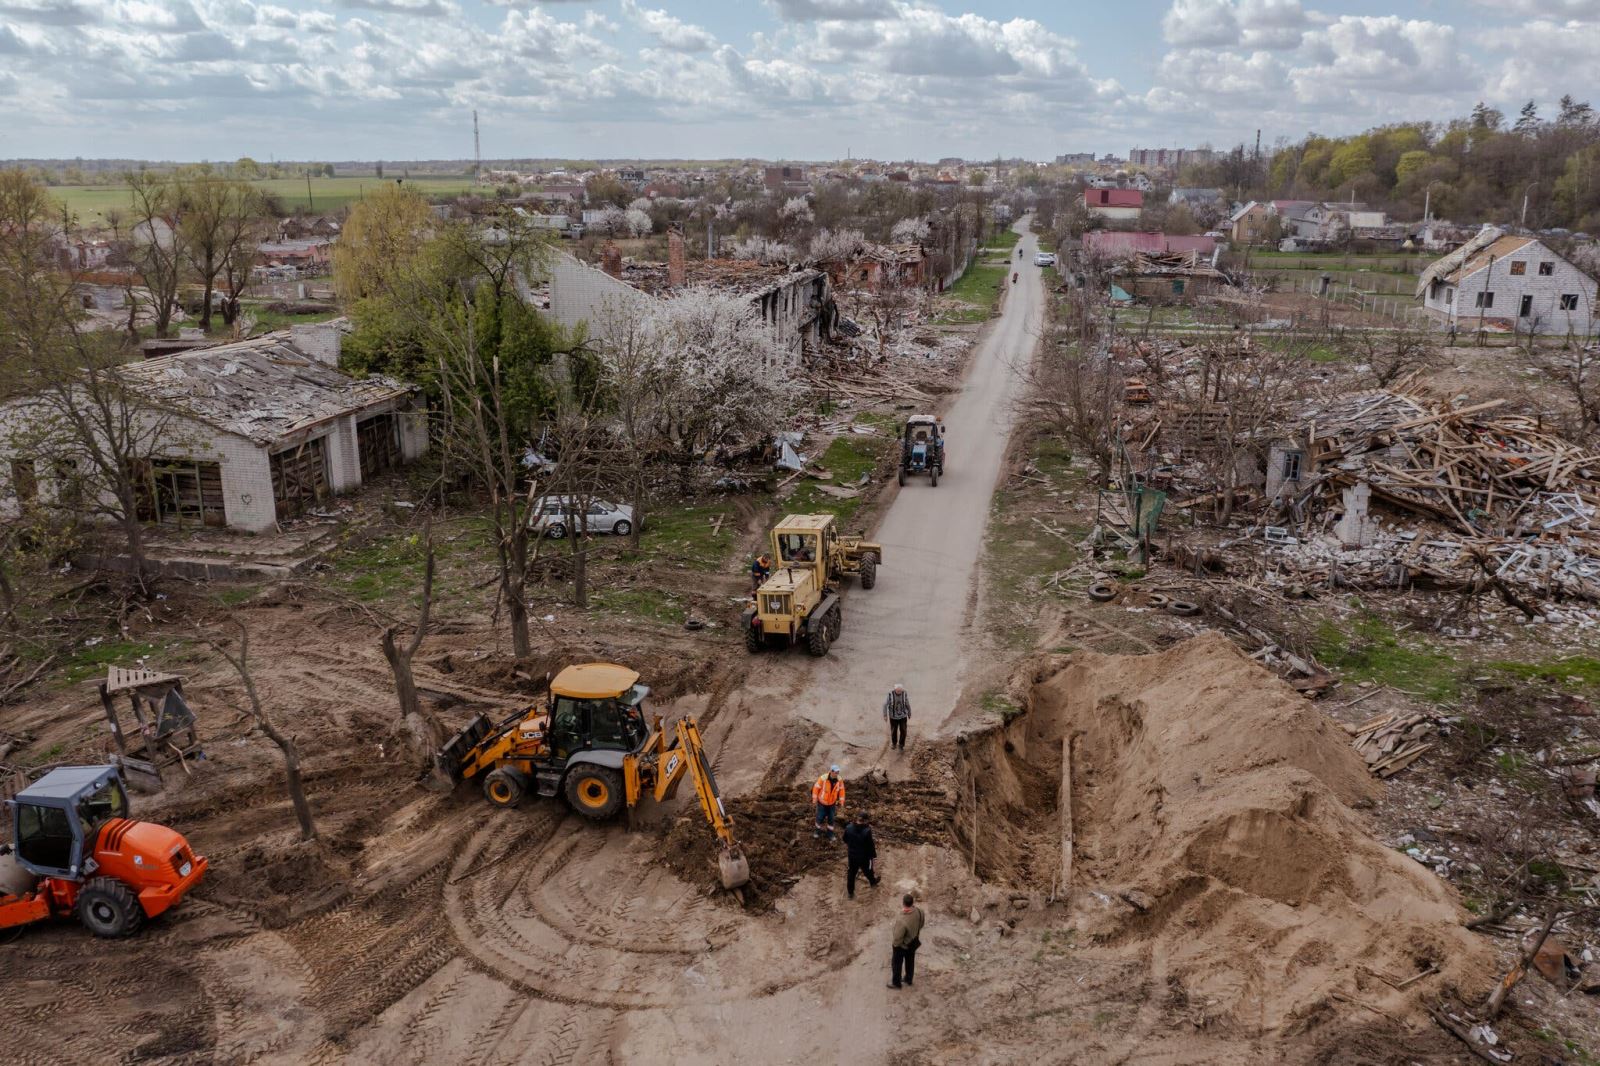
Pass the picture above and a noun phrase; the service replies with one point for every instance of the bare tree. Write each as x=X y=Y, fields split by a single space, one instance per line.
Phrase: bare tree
x=1577 y=371
x=219 y=217
x=423 y=726
x=71 y=402
x=154 y=242
x=240 y=661
x=1073 y=387
x=1389 y=355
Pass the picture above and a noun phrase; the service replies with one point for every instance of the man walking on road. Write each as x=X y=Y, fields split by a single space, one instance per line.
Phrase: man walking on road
x=828 y=795
x=907 y=939
x=860 y=851
x=897 y=712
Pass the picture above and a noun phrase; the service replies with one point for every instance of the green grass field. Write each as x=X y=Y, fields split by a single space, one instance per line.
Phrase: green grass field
x=978 y=290
x=91 y=202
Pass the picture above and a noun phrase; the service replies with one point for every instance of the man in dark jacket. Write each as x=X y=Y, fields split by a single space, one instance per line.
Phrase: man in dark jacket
x=860 y=852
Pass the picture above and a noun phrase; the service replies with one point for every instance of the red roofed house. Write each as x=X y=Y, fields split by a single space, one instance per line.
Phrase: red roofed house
x=1114 y=203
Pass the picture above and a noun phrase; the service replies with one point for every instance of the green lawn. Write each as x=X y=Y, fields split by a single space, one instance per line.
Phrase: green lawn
x=91 y=202
x=979 y=290
x=1369 y=649
x=847 y=458
x=1004 y=240
x=690 y=533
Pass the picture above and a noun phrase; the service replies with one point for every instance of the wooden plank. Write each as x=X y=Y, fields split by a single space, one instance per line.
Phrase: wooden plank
x=1064 y=806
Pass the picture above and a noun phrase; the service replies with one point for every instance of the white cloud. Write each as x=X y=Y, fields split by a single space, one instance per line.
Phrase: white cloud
x=1545 y=9
x=50 y=12
x=824 y=10
x=668 y=30
x=422 y=8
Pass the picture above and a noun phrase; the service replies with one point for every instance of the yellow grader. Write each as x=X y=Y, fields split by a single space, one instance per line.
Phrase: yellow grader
x=799 y=602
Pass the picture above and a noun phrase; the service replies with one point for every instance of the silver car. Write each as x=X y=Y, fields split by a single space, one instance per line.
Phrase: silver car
x=555 y=516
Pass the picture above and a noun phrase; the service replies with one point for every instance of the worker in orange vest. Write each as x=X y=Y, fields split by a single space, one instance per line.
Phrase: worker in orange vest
x=828 y=795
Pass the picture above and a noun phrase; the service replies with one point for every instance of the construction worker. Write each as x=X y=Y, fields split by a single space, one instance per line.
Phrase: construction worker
x=828 y=795
x=897 y=712
x=861 y=852
x=906 y=940
x=760 y=570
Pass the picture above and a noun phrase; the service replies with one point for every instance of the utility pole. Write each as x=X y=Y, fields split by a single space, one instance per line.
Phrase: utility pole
x=310 y=206
x=477 y=148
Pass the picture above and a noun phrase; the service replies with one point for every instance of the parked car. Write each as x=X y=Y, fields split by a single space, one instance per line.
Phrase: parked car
x=1045 y=259
x=556 y=516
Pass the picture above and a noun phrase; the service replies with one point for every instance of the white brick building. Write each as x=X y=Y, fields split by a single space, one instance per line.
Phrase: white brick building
x=247 y=434
x=1511 y=284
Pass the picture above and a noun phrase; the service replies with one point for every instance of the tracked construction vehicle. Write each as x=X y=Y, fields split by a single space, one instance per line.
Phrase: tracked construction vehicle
x=590 y=742
x=75 y=851
x=799 y=601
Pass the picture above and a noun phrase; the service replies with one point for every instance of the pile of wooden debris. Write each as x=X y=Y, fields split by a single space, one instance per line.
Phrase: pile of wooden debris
x=1393 y=741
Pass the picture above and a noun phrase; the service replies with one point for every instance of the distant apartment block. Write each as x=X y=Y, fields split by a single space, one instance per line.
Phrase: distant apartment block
x=1170 y=158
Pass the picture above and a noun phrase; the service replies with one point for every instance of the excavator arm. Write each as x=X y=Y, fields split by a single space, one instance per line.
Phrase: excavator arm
x=687 y=755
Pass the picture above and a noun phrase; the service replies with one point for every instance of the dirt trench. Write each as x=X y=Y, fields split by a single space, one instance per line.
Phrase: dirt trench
x=1216 y=836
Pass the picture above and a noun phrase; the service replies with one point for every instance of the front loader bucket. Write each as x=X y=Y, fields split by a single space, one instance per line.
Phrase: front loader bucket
x=734 y=867
x=456 y=748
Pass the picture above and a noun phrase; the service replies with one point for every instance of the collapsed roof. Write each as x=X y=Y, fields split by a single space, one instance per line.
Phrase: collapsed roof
x=263 y=389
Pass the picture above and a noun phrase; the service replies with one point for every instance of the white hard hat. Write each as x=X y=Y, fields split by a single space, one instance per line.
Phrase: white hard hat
x=833 y=769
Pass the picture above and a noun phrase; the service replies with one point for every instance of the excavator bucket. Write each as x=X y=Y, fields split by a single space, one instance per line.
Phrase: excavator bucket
x=734 y=867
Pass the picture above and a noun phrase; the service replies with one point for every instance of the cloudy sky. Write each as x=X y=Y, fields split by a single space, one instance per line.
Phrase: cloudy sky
x=805 y=79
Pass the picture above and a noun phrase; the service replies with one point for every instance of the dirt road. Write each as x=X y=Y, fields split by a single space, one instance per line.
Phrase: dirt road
x=914 y=627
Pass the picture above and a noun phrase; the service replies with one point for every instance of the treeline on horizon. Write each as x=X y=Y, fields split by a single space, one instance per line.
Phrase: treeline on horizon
x=1478 y=168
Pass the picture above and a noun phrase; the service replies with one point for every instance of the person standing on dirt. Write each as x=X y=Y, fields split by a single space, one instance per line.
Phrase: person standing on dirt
x=760 y=570
x=828 y=795
x=860 y=853
x=897 y=712
x=907 y=939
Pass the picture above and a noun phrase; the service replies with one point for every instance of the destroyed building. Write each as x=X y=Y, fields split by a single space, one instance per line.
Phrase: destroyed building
x=242 y=435
x=796 y=303
x=874 y=267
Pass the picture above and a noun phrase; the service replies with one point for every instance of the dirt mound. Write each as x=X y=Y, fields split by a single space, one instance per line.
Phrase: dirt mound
x=774 y=826
x=1212 y=827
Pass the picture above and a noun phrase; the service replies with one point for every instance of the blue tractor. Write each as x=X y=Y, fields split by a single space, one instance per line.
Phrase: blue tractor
x=922 y=448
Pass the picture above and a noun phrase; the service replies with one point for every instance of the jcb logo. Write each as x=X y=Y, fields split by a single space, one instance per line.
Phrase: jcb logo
x=672 y=766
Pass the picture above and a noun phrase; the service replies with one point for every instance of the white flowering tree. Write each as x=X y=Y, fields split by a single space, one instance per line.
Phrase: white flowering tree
x=690 y=373
x=830 y=245
x=762 y=250
x=911 y=231
x=638 y=223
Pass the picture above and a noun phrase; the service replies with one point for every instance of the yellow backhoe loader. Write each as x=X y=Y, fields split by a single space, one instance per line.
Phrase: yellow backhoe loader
x=590 y=741
x=799 y=601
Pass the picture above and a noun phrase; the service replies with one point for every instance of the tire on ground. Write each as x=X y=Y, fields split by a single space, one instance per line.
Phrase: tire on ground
x=622 y=528
x=108 y=908
x=817 y=639
x=1101 y=592
x=505 y=786
x=753 y=639
x=869 y=571
x=594 y=791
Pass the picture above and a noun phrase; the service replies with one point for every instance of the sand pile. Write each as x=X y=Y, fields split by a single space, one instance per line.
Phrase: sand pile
x=1211 y=810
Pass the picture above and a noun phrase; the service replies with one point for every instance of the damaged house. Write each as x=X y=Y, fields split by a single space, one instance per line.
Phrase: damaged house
x=1502 y=283
x=1167 y=277
x=797 y=304
x=875 y=267
x=244 y=435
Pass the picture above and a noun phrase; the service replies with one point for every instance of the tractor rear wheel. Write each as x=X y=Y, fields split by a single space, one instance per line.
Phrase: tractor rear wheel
x=504 y=786
x=108 y=908
x=869 y=571
x=902 y=476
x=595 y=792
x=933 y=476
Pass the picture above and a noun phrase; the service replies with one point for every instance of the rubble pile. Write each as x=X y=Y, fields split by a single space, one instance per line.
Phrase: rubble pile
x=1495 y=501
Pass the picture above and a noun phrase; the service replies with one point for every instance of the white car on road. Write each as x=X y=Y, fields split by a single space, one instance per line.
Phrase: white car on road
x=1045 y=259
x=556 y=516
